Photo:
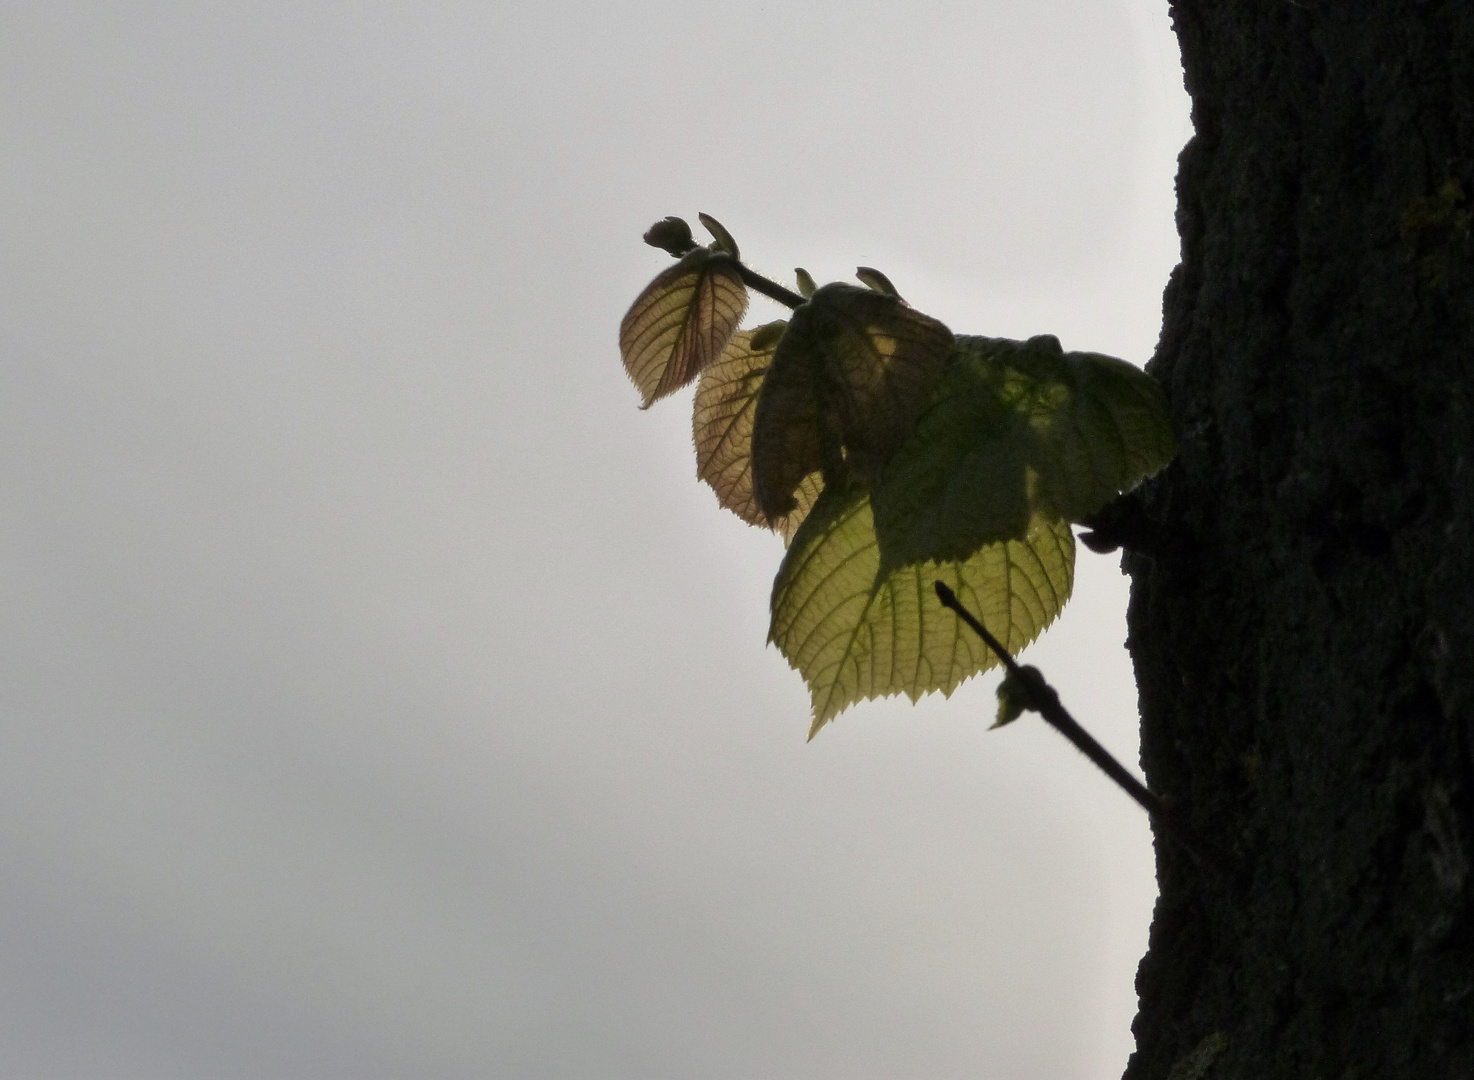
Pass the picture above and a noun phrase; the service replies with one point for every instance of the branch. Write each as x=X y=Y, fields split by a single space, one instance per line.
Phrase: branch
x=757 y=283
x=1042 y=698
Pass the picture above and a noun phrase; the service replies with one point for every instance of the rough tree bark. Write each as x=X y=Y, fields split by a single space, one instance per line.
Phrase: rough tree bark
x=1302 y=613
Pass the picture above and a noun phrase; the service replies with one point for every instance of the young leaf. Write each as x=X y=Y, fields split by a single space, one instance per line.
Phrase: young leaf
x=723 y=238
x=681 y=323
x=874 y=279
x=806 y=285
x=765 y=338
x=1117 y=433
x=881 y=360
x=849 y=376
x=726 y=403
x=788 y=440
x=855 y=631
x=1015 y=430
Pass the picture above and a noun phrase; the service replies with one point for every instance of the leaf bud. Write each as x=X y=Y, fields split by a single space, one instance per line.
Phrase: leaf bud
x=671 y=234
x=806 y=284
x=876 y=280
x=1014 y=696
x=724 y=241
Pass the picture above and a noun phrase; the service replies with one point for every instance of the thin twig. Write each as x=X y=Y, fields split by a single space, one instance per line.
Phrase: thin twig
x=756 y=282
x=1042 y=698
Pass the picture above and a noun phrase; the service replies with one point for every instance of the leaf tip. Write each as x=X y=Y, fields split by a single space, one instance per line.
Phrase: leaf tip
x=724 y=241
x=1014 y=697
x=877 y=281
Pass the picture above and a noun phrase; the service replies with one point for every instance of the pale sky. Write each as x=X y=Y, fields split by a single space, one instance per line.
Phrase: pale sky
x=380 y=695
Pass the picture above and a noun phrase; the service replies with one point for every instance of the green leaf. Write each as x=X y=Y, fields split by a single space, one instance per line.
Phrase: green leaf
x=765 y=337
x=681 y=323
x=1016 y=430
x=855 y=632
x=881 y=360
x=726 y=402
x=848 y=378
x=788 y=438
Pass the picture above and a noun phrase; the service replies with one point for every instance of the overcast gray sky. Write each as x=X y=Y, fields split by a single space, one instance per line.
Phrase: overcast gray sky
x=380 y=695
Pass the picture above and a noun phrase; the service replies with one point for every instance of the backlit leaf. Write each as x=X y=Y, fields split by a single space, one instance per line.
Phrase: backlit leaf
x=855 y=632
x=681 y=323
x=788 y=439
x=1015 y=430
x=765 y=337
x=881 y=360
x=726 y=403
x=848 y=378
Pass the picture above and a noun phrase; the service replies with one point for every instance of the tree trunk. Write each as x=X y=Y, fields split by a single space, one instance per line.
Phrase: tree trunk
x=1302 y=612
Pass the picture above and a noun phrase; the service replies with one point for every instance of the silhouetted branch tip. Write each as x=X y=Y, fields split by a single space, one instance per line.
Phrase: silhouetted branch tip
x=1026 y=688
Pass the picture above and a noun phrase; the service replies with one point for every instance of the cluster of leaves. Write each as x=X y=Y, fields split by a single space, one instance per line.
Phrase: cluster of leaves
x=890 y=454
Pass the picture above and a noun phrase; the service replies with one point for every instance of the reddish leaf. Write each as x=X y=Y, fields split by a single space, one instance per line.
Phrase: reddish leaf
x=681 y=323
x=722 y=426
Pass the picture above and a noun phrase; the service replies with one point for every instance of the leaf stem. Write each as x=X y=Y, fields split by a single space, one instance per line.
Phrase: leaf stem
x=1043 y=700
x=756 y=282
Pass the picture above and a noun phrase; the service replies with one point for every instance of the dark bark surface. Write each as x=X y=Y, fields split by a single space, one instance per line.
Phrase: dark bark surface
x=1302 y=617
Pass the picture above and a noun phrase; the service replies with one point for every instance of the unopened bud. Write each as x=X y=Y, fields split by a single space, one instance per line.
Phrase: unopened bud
x=1014 y=696
x=671 y=234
